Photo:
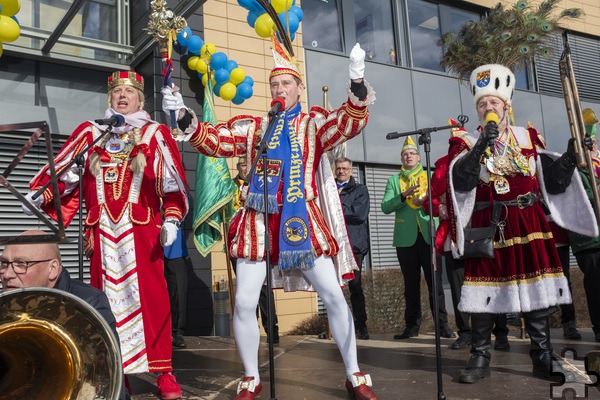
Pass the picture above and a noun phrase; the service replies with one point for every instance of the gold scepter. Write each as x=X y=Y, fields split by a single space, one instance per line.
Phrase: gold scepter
x=164 y=26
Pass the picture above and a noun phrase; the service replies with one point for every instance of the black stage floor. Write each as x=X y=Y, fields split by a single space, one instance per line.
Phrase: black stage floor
x=310 y=368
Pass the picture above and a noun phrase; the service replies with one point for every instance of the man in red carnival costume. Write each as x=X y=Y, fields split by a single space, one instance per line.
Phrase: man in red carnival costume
x=131 y=176
x=305 y=242
x=501 y=163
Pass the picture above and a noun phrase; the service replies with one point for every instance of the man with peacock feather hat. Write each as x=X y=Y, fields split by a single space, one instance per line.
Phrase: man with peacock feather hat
x=502 y=163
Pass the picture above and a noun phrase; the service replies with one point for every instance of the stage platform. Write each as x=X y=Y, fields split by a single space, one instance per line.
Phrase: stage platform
x=308 y=368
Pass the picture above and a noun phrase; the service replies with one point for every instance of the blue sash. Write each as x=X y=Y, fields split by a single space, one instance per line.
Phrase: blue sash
x=285 y=163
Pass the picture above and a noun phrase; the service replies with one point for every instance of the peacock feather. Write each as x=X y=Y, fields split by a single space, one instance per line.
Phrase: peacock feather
x=510 y=36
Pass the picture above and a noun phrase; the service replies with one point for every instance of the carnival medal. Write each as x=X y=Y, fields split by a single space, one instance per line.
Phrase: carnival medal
x=111 y=175
x=115 y=145
x=501 y=185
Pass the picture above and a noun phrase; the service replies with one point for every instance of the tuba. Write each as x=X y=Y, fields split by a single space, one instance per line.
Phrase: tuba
x=577 y=120
x=54 y=345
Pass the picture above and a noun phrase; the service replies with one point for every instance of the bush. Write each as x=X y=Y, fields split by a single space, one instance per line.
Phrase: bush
x=384 y=296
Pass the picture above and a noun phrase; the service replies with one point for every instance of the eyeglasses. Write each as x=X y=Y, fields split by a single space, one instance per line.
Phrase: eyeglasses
x=409 y=154
x=20 y=267
x=343 y=168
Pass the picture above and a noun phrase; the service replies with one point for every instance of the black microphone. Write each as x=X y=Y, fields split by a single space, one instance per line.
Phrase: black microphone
x=393 y=135
x=115 y=120
x=277 y=105
x=492 y=119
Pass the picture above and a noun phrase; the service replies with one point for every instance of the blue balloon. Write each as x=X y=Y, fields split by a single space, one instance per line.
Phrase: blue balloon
x=297 y=11
x=248 y=80
x=221 y=75
x=217 y=89
x=244 y=90
x=292 y=19
x=237 y=100
x=194 y=45
x=255 y=6
x=247 y=4
x=230 y=65
x=218 y=60
x=179 y=49
x=252 y=16
x=184 y=35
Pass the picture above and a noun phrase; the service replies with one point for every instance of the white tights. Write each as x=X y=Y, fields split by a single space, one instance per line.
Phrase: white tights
x=250 y=278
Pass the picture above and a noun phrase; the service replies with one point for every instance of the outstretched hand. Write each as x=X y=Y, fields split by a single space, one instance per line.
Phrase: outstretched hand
x=357 y=62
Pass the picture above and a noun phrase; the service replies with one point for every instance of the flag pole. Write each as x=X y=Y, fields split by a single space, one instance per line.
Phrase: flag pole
x=229 y=260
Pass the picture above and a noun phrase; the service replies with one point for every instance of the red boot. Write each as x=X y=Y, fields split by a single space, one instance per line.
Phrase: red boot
x=248 y=390
x=168 y=388
x=360 y=386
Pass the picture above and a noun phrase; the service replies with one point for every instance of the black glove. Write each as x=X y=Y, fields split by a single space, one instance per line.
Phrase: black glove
x=359 y=89
x=588 y=142
x=490 y=133
x=558 y=173
x=465 y=174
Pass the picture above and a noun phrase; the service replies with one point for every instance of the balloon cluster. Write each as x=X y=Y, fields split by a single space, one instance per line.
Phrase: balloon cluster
x=287 y=11
x=229 y=81
x=9 y=25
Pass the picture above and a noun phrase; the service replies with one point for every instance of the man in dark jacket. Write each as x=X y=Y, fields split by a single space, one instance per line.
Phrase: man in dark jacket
x=355 y=203
x=39 y=265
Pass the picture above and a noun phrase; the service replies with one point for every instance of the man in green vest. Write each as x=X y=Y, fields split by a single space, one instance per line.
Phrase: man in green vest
x=405 y=194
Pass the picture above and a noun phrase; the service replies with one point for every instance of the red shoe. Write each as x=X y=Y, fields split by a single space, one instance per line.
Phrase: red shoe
x=247 y=390
x=360 y=386
x=168 y=388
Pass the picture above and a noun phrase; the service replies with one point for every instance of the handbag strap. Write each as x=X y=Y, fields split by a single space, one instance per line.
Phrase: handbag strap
x=496 y=208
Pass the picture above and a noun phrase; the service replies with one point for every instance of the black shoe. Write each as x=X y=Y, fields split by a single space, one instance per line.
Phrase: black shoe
x=178 y=341
x=552 y=372
x=446 y=332
x=362 y=333
x=407 y=333
x=323 y=335
x=472 y=375
x=570 y=332
x=463 y=341
x=501 y=343
x=276 y=341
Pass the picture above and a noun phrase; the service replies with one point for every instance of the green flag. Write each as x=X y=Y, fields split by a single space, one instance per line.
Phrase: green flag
x=214 y=190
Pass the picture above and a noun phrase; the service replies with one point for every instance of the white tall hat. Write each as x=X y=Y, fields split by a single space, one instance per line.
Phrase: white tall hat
x=492 y=80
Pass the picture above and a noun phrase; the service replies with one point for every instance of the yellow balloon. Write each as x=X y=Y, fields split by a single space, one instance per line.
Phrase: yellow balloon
x=227 y=91
x=207 y=50
x=236 y=76
x=205 y=79
x=192 y=62
x=281 y=5
x=9 y=29
x=264 y=25
x=202 y=66
x=9 y=7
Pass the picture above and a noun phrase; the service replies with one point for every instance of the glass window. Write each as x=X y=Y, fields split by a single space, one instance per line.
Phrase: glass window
x=425 y=31
x=321 y=25
x=375 y=30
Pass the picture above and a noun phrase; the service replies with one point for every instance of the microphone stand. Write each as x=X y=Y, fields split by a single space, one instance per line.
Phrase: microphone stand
x=425 y=140
x=78 y=159
x=261 y=153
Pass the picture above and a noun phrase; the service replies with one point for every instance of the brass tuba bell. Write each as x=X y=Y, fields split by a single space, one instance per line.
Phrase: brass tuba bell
x=54 y=345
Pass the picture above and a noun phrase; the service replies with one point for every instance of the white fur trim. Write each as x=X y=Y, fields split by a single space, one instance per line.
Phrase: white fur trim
x=571 y=210
x=517 y=297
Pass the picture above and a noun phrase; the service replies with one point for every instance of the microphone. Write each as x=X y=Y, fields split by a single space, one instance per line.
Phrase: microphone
x=393 y=135
x=492 y=119
x=277 y=105
x=115 y=120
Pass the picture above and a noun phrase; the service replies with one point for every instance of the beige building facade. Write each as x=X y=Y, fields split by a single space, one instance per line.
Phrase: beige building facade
x=225 y=25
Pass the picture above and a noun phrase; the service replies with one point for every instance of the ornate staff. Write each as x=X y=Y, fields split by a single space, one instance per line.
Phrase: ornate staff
x=164 y=26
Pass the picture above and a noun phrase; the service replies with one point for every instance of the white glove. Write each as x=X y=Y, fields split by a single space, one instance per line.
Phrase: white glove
x=357 y=62
x=172 y=100
x=168 y=232
x=36 y=202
